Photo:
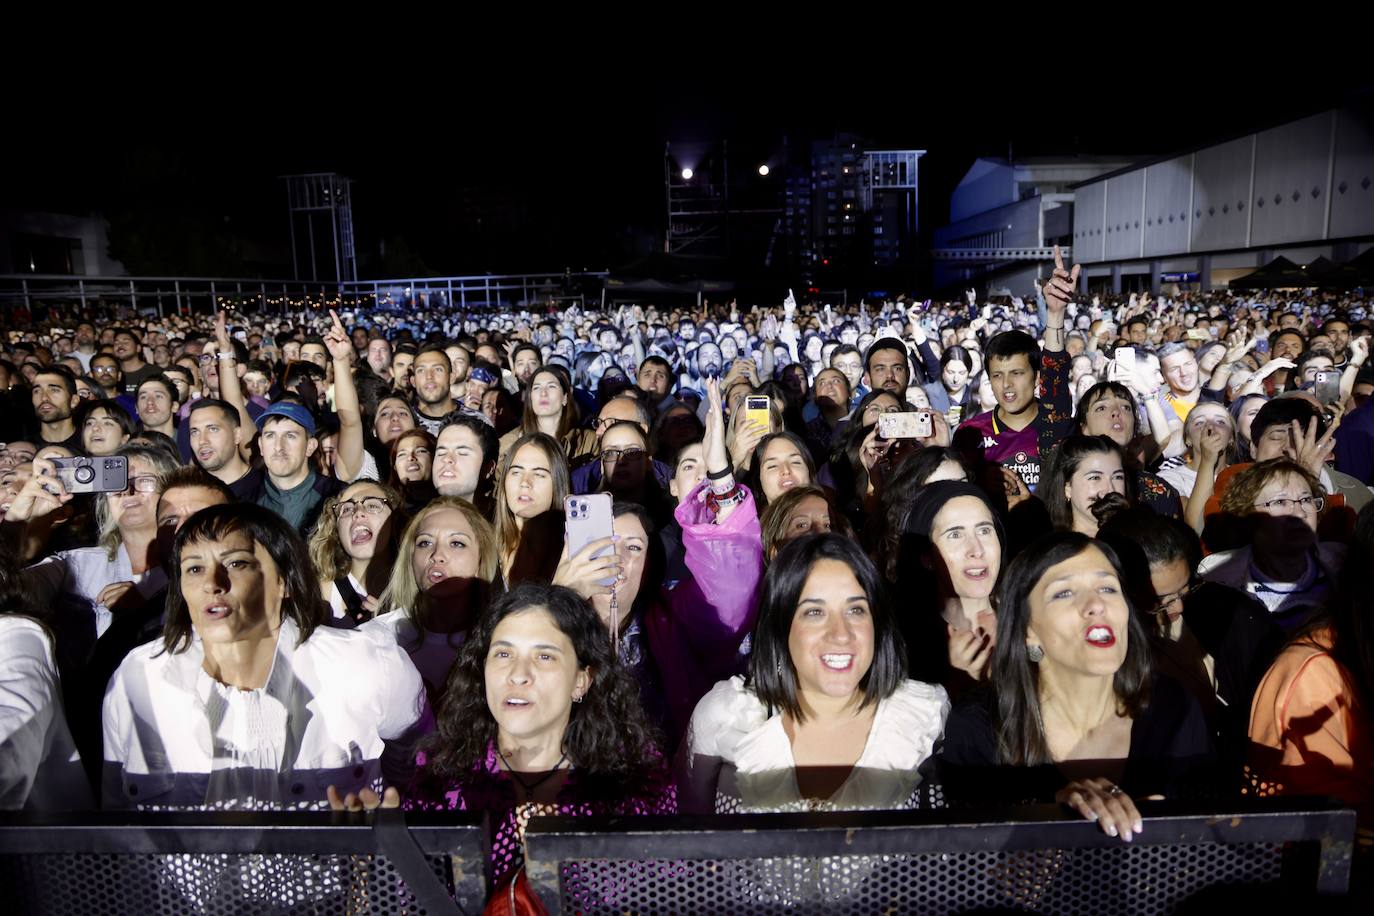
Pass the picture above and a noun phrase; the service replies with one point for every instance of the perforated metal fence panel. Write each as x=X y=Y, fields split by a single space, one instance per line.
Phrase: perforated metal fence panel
x=212 y=864
x=876 y=865
x=209 y=885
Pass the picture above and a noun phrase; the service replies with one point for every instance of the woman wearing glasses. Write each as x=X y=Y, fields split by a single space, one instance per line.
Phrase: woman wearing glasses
x=1284 y=566
x=1211 y=638
x=86 y=587
x=627 y=472
x=354 y=556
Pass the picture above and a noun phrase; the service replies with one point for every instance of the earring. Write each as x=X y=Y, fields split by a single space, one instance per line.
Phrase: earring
x=1036 y=654
x=577 y=698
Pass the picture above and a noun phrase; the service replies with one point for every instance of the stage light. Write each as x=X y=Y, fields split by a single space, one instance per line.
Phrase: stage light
x=687 y=174
x=763 y=170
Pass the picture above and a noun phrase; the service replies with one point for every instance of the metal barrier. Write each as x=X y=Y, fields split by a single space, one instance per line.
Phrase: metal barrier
x=942 y=862
x=241 y=862
x=207 y=294
x=1266 y=854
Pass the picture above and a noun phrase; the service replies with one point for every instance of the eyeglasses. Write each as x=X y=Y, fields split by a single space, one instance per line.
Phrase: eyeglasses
x=616 y=454
x=1164 y=601
x=1283 y=504
x=374 y=506
x=143 y=484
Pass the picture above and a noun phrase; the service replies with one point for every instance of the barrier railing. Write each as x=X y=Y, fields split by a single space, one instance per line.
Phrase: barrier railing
x=209 y=863
x=1251 y=858
x=940 y=862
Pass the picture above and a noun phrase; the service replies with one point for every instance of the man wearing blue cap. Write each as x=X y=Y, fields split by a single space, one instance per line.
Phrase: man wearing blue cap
x=286 y=438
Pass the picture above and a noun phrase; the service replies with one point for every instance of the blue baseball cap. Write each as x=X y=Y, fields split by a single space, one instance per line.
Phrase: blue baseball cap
x=291 y=411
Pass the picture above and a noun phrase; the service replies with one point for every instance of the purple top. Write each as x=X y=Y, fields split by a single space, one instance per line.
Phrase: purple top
x=696 y=631
x=490 y=790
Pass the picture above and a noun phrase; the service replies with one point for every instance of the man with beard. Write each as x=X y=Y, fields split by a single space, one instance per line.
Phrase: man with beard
x=379 y=357
x=215 y=437
x=432 y=374
x=85 y=345
x=54 y=394
x=127 y=349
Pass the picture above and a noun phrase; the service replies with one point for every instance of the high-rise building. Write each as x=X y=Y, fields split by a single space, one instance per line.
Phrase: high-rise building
x=848 y=209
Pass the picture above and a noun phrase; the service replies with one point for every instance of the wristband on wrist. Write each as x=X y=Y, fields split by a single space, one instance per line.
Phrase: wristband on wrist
x=725 y=472
x=224 y=356
x=723 y=486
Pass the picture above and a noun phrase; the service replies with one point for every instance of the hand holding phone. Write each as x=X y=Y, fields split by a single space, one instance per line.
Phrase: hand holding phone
x=590 y=562
x=92 y=475
x=915 y=424
x=758 y=409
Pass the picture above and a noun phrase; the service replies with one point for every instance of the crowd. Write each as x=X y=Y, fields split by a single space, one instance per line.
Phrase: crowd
x=1107 y=549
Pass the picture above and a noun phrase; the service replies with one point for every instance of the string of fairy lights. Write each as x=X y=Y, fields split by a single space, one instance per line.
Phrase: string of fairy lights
x=239 y=300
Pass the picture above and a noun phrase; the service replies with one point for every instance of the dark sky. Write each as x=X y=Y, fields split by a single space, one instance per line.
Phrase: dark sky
x=574 y=152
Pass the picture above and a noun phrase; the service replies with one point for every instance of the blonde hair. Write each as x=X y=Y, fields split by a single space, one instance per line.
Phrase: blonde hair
x=507 y=529
x=162 y=463
x=326 y=550
x=403 y=591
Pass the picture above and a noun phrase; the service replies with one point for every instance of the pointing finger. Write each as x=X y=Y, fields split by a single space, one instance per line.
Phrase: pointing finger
x=1058 y=258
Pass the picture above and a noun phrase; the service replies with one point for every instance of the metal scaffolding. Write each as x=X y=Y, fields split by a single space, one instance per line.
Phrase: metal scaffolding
x=308 y=196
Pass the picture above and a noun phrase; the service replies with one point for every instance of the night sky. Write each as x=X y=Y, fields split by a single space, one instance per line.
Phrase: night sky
x=566 y=154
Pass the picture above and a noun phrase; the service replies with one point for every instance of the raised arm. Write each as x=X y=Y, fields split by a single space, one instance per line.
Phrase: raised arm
x=230 y=389
x=348 y=460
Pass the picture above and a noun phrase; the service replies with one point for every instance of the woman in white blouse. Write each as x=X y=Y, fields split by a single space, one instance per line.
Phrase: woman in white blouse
x=826 y=719
x=39 y=766
x=246 y=701
x=86 y=587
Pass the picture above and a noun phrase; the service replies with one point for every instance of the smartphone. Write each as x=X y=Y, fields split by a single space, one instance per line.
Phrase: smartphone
x=758 y=409
x=93 y=475
x=914 y=424
x=1195 y=334
x=1125 y=356
x=1327 y=386
x=588 y=518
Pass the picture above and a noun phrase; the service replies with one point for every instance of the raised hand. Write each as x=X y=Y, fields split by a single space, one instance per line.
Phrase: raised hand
x=1309 y=450
x=336 y=340
x=1061 y=286
x=713 y=443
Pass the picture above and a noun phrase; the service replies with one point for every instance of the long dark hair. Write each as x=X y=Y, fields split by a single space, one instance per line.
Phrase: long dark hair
x=607 y=738
x=1098 y=392
x=1060 y=470
x=303 y=602
x=772 y=674
x=753 y=477
x=884 y=531
x=1020 y=726
x=918 y=574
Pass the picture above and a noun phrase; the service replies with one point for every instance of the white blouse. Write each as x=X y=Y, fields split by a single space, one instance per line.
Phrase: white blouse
x=39 y=767
x=758 y=772
x=344 y=708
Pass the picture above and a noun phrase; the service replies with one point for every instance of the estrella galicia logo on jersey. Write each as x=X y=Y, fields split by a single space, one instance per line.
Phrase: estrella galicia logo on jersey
x=1021 y=457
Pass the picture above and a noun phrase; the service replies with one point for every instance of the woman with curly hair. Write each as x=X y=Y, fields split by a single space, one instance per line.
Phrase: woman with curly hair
x=354 y=550
x=538 y=719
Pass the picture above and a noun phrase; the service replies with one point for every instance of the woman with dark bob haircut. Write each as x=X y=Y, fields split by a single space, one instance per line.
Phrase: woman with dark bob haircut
x=247 y=701
x=1079 y=715
x=826 y=718
x=538 y=718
